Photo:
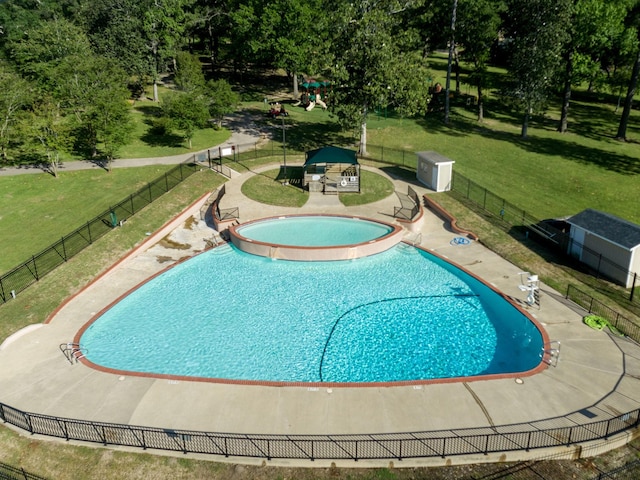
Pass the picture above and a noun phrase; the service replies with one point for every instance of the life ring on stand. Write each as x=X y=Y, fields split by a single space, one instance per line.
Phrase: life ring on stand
x=343 y=183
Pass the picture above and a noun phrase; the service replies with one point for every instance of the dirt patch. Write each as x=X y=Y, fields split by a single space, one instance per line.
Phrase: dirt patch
x=167 y=242
x=190 y=223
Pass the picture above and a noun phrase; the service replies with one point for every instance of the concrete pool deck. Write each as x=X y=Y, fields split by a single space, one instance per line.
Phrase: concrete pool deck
x=597 y=376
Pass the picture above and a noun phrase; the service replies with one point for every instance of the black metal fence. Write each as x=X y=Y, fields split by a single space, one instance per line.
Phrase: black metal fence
x=560 y=241
x=393 y=156
x=355 y=447
x=29 y=272
x=591 y=305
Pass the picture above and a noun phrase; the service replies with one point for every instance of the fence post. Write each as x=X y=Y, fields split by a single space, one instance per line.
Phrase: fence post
x=27 y=419
x=35 y=267
x=64 y=250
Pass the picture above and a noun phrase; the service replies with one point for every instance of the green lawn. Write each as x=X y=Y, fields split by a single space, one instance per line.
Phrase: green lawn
x=268 y=188
x=36 y=209
x=146 y=142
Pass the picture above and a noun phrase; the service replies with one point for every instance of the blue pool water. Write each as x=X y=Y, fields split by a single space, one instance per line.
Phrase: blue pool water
x=399 y=315
x=311 y=231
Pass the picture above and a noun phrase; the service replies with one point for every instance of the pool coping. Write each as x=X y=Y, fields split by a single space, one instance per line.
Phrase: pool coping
x=315 y=253
x=545 y=357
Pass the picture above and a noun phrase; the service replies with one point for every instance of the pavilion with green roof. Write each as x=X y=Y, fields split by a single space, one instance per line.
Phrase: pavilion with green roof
x=331 y=170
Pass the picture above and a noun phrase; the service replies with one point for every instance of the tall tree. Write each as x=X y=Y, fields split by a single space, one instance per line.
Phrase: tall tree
x=115 y=29
x=211 y=22
x=633 y=21
x=369 y=48
x=164 y=25
x=42 y=48
x=187 y=112
x=290 y=36
x=20 y=16
x=15 y=95
x=479 y=24
x=50 y=132
x=222 y=100
x=111 y=121
x=537 y=30
x=188 y=75
x=593 y=26
x=83 y=86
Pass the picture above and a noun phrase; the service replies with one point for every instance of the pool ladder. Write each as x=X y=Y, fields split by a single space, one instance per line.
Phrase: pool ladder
x=551 y=355
x=416 y=240
x=73 y=352
x=215 y=240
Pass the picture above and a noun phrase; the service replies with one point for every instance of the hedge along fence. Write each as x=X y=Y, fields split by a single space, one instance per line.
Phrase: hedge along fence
x=32 y=270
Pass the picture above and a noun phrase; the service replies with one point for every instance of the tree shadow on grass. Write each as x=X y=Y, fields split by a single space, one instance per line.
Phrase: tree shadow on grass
x=149 y=110
x=302 y=136
x=562 y=147
x=162 y=139
x=592 y=120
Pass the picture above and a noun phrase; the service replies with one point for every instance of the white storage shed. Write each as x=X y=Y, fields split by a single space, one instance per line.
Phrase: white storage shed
x=607 y=243
x=435 y=171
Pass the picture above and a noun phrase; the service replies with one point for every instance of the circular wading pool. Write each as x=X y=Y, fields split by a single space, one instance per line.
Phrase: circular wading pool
x=315 y=237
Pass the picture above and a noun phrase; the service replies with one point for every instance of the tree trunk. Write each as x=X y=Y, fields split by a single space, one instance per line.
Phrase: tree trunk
x=363 y=138
x=457 y=70
x=54 y=163
x=295 y=85
x=628 y=101
x=451 y=50
x=566 y=97
x=525 y=125
x=480 y=103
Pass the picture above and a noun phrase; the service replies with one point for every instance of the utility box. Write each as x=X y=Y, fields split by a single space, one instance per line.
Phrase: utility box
x=435 y=171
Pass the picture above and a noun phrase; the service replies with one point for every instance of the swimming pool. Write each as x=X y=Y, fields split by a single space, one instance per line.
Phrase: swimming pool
x=403 y=315
x=315 y=237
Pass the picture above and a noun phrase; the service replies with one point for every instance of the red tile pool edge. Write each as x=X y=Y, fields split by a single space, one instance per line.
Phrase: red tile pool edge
x=541 y=366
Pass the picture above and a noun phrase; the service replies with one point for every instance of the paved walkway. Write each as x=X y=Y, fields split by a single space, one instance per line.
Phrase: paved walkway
x=598 y=375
